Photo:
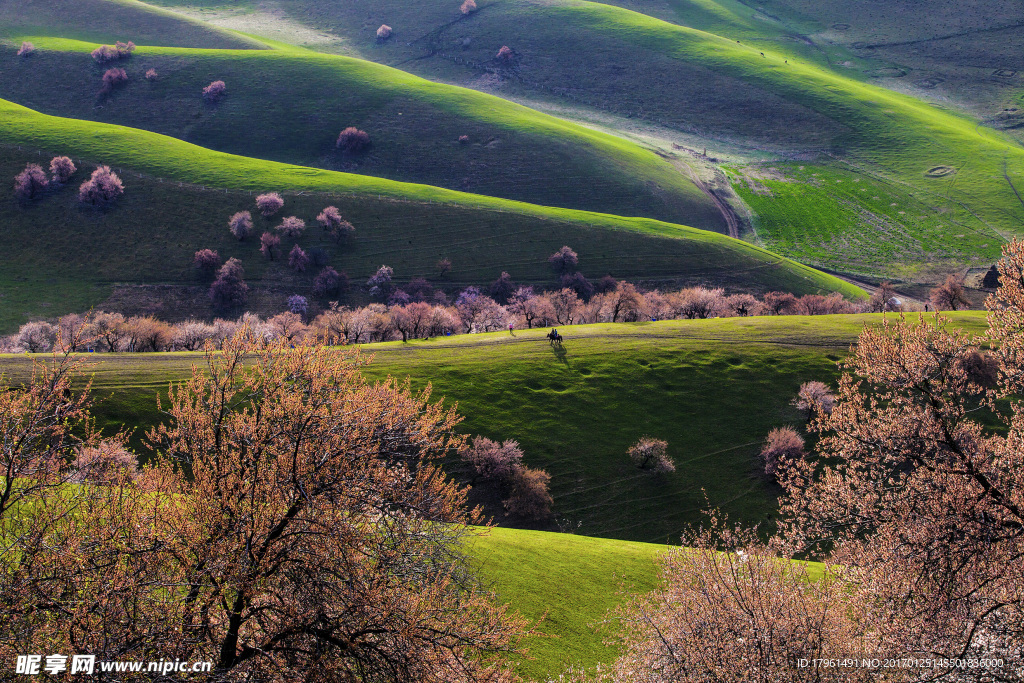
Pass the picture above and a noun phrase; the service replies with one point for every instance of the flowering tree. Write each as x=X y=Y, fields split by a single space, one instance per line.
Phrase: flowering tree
x=214 y=91
x=113 y=78
x=648 y=453
x=493 y=460
x=564 y=260
x=240 y=225
x=814 y=398
x=270 y=245
x=384 y=32
x=505 y=55
x=380 y=282
x=26 y=49
x=331 y=221
x=101 y=189
x=61 y=170
x=298 y=260
x=269 y=203
x=529 y=497
x=151 y=75
x=353 y=141
x=468 y=7
x=782 y=447
x=31 y=183
x=292 y=226
x=950 y=295
x=229 y=289
x=206 y=262
x=104 y=54
x=328 y=282
x=298 y=304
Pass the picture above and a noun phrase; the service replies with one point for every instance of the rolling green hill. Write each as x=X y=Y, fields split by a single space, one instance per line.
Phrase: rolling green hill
x=107 y=21
x=178 y=198
x=289 y=106
x=955 y=182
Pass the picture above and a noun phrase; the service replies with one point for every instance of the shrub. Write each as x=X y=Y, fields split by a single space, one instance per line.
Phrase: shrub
x=61 y=169
x=214 y=91
x=564 y=260
x=104 y=54
x=292 y=227
x=464 y=139
x=270 y=245
x=101 y=189
x=240 y=225
x=151 y=74
x=26 y=49
x=269 y=203
x=505 y=54
x=113 y=78
x=124 y=50
x=651 y=453
x=782 y=447
x=206 y=262
x=31 y=183
x=298 y=304
x=493 y=460
x=327 y=282
x=384 y=32
x=468 y=7
x=352 y=140
x=530 y=498
x=814 y=399
x=298 y=260
x=229 y=289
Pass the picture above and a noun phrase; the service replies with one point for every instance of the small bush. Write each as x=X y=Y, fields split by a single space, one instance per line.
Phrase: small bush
x=101 y=189
x=240 y=225
x=530 y=498
x=353 y=141
x=104 y=54
x=214 y=91
x=298 y=260
x=292 y=227
x=781 y=447
x=61 y=169
x=463 y=139
x=26 y=49
x=113 y=78
x=31 y=183
x=384 y=32
x=151 y=74
x=206 y=262
x=270 y=245
x=648 y=453
x=505 y=54
x=468 y=7
x=493 y=460
x=124 y=50
x=269 y=203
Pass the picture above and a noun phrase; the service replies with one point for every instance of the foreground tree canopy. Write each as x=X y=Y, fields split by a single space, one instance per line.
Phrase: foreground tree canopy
x=291 y=524
x=914 y=498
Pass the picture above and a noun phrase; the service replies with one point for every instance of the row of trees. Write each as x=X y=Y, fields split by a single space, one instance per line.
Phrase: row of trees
x=914 y=500
x=101 y=189
x=471 y=312
x=291 y=523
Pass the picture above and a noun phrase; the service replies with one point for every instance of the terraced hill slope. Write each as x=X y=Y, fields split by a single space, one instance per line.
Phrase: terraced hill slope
x=290 y=106
x=61 y=257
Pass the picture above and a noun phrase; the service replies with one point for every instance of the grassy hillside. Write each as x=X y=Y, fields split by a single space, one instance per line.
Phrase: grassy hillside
x=112 y=20
x=289 y=106
x=178 y=198
x=575 y=411
x=587 y=56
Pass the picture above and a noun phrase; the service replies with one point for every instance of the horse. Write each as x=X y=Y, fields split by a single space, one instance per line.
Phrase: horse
x=554 y=337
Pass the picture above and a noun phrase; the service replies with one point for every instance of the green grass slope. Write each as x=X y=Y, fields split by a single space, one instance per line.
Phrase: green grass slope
x=112 y=20
x=178 y=197
x=575 y=411
x=601 y=57
x=289 y=106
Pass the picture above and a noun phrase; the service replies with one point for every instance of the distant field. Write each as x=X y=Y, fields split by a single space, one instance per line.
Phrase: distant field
x=576 y=411
x=289 y=106
x=63 y=258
